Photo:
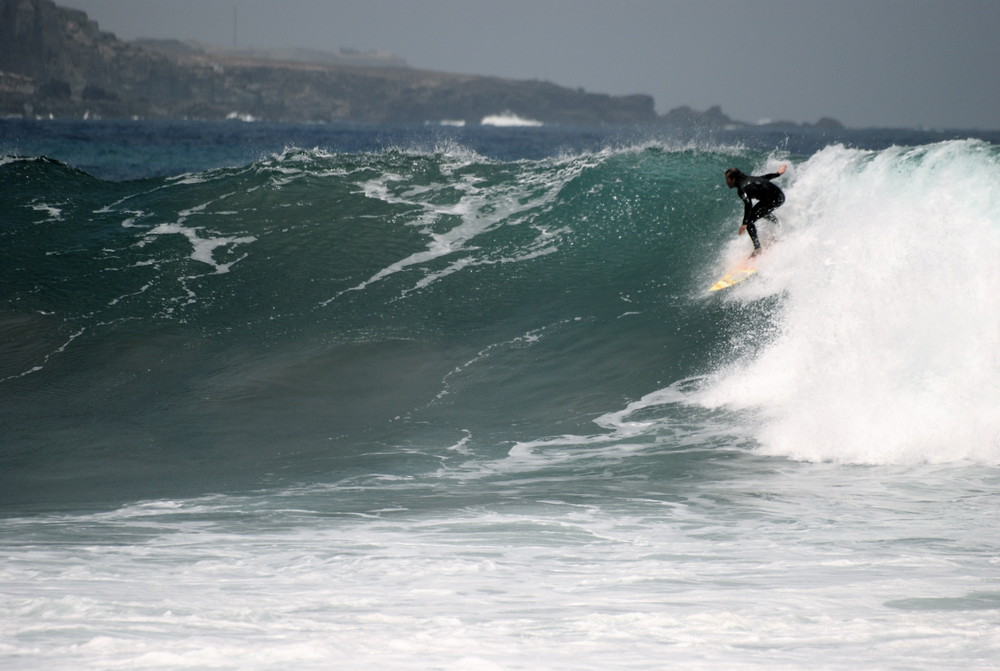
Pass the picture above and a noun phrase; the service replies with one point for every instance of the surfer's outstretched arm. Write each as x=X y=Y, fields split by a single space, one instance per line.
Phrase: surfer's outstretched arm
x=772 y=175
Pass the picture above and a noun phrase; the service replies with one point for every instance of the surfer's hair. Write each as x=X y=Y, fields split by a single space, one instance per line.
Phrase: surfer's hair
x=734 y=174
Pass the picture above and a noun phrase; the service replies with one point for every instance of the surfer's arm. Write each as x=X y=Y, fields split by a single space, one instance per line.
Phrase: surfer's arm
x=781 y=171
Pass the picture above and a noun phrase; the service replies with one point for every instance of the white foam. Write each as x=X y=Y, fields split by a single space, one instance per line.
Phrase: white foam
x=55 y=214
x=745 y=571
x=477 y=211
x=202 y=249
x=887 y=339
x=509 y=119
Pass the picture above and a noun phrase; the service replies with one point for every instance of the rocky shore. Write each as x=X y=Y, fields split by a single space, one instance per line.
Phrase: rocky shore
x=56 y=62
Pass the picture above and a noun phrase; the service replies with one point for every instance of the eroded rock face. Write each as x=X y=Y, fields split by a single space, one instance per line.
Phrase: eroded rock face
x=72 y=65
x=57 y=61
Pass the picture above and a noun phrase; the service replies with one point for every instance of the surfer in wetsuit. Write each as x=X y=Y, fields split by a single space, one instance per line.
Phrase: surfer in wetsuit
x=768 y=196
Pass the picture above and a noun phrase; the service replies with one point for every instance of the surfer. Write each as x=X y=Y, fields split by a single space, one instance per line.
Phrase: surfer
x=768 y=196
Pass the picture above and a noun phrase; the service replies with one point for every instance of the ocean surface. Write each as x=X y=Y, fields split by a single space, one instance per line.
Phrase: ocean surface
x=322 y=397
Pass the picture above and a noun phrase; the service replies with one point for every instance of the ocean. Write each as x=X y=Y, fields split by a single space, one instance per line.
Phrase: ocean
x=322 y=397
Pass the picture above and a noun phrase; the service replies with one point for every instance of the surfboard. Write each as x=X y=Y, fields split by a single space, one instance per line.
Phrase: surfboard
x=735 y=276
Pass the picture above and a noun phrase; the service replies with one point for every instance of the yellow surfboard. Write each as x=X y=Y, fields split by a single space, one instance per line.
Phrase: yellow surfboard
x=735 y=276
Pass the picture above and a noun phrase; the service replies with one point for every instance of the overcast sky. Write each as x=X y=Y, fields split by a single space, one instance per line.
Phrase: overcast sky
x=895 y=63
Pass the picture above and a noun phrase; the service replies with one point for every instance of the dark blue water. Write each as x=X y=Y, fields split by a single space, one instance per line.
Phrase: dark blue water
x=118 y=150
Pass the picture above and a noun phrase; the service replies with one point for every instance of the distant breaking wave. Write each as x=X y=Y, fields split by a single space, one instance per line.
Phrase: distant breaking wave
x=508 y=118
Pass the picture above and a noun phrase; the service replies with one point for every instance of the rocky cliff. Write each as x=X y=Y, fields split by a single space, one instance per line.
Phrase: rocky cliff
x=57 y=61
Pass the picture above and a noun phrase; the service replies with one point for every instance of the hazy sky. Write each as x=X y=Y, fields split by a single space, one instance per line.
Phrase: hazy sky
x=902 y=63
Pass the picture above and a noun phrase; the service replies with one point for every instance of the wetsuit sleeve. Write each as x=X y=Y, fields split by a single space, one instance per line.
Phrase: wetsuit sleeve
x=771 y=175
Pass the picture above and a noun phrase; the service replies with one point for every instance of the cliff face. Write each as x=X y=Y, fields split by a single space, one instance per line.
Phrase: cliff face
x=57 y=61
x=73 y=67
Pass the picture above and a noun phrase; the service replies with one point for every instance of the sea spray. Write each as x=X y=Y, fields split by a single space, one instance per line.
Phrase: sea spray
x=887 y=339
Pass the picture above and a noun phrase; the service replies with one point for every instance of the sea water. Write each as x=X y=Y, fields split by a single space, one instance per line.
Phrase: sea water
x=354 y=397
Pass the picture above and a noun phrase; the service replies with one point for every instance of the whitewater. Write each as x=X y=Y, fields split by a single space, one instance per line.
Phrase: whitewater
x=458 y=398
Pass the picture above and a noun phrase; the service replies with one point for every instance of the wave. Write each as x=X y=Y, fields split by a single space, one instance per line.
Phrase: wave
x=311 y=307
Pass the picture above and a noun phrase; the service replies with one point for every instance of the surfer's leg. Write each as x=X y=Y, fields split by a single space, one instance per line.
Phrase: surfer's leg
x=752 y=230
x=763 y=210
x=767 y=211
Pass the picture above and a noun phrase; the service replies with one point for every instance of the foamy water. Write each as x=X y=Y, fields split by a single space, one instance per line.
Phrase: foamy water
x=792 y=567
x=887 y=342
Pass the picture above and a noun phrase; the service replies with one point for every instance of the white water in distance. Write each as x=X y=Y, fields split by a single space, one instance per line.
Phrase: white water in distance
x=508 y=119
x=887 y=346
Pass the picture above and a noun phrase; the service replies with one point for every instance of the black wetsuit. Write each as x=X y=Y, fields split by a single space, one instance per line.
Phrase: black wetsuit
x=768 y=197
